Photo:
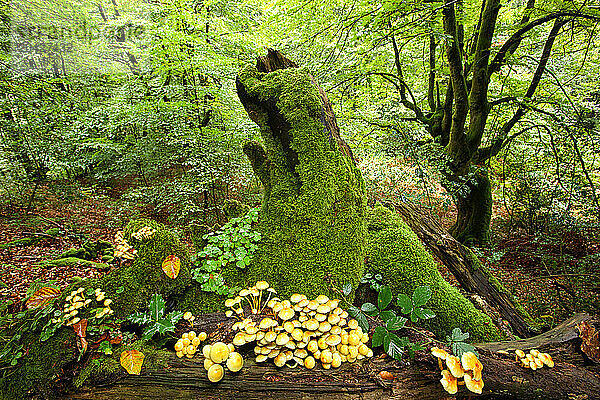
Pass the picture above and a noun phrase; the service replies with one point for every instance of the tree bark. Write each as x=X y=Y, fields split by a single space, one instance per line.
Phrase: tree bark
x=417 y=379
x=466 y=268
x=474 y=211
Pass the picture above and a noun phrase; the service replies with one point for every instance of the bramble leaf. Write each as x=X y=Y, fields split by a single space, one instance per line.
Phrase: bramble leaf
x=132 y=361
x=384 y=297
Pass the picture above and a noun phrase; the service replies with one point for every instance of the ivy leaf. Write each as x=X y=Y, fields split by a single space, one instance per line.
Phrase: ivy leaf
x=405 y=303
x=369 y=309
x=393 y=324
x=421 y=295
x=424 y=313
x=458 y=335
x=42 y=297
x=384 y=297
x=171 y=266
x=347 y=289
x=378 y=336
x=459 y=348
x=157 y=307
x=132 y=361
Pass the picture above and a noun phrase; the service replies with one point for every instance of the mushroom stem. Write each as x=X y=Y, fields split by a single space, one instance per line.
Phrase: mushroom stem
x=440 y=364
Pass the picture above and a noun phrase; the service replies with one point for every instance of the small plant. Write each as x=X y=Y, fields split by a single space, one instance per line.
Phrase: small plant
x=393 y=344
x=373 y=280
x=155 y=321
x=413 y=306
x=235 y=243
x=458 y=344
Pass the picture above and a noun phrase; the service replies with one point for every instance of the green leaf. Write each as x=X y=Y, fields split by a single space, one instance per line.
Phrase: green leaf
x=378 y=336
x=347 y=289
x=386 y=315
x=459 y=348
x=369 y=308
x=157 y=307
x=392 y=345
x=393 y=324
x=405 y=303
x=421 y=295
x=384 y=297
x=424 y=313
x=360 y=318
x=139 y=318
x=459 y=336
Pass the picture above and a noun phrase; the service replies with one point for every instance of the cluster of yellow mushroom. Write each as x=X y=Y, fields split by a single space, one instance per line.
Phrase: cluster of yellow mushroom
x=299 y=331
x=73 y=302
x=253 y=296
x=468 y=367
x=144 y=233
x=188 y=344
x=534 y=359
x=189 y=317
x=106 y=302
x=122 y=248
x=215 y=355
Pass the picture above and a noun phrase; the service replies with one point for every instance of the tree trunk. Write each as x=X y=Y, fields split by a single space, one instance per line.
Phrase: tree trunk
x=474 y=211
x=417 y=379
x=473 y=276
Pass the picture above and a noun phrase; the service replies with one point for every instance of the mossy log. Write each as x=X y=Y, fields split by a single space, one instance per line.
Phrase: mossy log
x=466 y=268
x=416 y=379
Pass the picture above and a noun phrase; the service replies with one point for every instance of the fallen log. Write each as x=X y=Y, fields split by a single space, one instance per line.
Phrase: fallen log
x=417 y=378
x=470 y=273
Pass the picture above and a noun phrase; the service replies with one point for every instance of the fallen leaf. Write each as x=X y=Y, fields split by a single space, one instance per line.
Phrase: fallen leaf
x=42 y=297
x=171 y=266
x=132 y=361
x=80 y=328
x=590 y=344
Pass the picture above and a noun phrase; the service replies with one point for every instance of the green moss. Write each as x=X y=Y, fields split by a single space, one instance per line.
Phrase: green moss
x=41 y=364
x=74 y=262
x=143 y=277
x=233 y=209
x=396 y=253
x=105 y=368
x=312 y=216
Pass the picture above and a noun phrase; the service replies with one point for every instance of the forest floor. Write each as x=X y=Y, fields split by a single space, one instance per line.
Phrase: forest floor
x=552 y=275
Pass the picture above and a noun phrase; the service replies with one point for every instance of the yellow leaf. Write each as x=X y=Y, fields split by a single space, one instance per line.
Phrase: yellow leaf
x=171 y=266
x=42 y=297
x=132 y=361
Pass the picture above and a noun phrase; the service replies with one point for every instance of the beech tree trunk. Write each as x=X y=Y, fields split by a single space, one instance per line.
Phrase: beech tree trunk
x=416 y=379
x=474 y=212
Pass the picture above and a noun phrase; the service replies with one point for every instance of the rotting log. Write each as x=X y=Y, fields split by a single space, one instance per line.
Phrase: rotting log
x=461 y=262
x=416 y=379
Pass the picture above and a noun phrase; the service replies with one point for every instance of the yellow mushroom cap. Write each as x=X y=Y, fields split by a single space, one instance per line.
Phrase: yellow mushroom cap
x=266 y=323
x=288 y=326
x=469 y=361
x=239 y=339
x=297 y=334
x=301 y=353
x=333 y=319
x=439 y=353
x=454 y=366
x=336 y=361
x=449 y=382
x=312 y=346
x=534 y=352
x=228 y=303
x=322 y=299
x=202 y=336
x=235 y=362
x=179 y=345
x=320 y=317
x=309 y=362
x=323 y=309
x=206 y=350
x=186 y=341
x=546 y=359
x=231 y=348
x=261 y=358
x=539 y=363
x=324 y=326
x=280 y=360
x=196 y=341
x=282 y=339
x=262 y=285
x=286 y=313
x=473 y=385
x=333 y=303
x=219 y=352
x=208 y=363
x=520 y=353
x=353 y=339
x=326 y=356
x=311 y=324
x=312 y=305
x=353 y=324
x=215 y=373
x=297 y=298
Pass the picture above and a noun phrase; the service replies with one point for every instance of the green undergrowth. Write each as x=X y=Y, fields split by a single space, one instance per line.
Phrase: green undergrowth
x=395 y=252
